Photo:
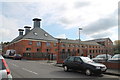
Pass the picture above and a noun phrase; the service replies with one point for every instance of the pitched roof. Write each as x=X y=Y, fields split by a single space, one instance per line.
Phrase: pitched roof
x=99 y=40
x=77 y=41
x=90 y=43
x=36 y=34
x=17 y=38
x=39 y=34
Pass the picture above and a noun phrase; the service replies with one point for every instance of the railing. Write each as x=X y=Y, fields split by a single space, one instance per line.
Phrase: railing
x=39 y=56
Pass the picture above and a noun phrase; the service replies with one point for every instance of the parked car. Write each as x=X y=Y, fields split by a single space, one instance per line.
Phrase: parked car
x=9 y=53
x=83 y=64
x=17 y=57
x=115 y=58
x=102 y=58
x=4 y=70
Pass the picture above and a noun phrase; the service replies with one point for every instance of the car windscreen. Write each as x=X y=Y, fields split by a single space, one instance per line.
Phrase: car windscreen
x=116 y=56
x=2 y=67
x=86 y=60
x=100 y=56
x=18 y=55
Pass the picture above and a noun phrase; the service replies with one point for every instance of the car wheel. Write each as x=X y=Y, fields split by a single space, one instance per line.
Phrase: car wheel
x=66 y=68
x=88 y=72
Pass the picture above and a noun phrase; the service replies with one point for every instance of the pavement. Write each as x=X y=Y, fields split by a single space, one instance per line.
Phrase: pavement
x=113 y=72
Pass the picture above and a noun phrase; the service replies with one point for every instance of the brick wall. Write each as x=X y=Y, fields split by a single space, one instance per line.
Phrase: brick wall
x=112 y=65
x=22 y=45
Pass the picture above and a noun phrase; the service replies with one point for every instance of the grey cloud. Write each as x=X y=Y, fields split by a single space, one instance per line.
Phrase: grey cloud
x=119 y=20
x=119 y=32
x=65 y=21
x=101 y=35
x=81 y=4
x=101 y=25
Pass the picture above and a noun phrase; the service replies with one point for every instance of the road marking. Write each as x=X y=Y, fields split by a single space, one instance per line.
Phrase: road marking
x=15 y=65
x=30 y=71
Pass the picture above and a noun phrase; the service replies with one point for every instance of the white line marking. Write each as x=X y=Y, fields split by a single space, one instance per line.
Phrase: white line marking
x=15 y=65
x=29 y=71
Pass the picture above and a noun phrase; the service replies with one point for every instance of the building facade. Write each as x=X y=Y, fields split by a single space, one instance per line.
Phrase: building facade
x=38 y=44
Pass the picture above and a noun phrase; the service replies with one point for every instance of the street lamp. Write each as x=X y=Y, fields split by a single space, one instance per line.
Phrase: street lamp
x=79 y=41
x=58 y=56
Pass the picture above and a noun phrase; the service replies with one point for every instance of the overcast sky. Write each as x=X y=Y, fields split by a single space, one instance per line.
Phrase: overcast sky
x=61 y=18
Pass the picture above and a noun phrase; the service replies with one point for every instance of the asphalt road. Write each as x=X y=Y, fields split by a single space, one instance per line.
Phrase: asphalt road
x=42 y=69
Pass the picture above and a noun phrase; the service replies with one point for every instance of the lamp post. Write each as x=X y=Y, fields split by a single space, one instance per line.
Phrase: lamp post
x=58 y=55
x=79 y=42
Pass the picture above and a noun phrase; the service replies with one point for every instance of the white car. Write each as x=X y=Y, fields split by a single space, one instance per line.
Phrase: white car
x=115 y=58
x=102 y=58
x=4 y=70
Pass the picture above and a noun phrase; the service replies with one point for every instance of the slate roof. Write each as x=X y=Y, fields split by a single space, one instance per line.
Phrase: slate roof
x=99 y=40
x=77 y=42
x=17 y=38
x=39 y=34
x=36 y=34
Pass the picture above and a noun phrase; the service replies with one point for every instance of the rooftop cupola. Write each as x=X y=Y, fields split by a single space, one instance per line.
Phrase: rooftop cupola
x=20 y=32
x=36 y=22
x=27 y=29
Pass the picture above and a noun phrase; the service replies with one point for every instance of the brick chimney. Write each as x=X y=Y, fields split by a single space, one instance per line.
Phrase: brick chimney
x=20 y=32
x=36 y=22
x=27 y=29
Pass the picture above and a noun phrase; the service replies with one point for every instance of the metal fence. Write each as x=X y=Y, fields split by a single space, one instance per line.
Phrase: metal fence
x=38 y=55
x=63 y=55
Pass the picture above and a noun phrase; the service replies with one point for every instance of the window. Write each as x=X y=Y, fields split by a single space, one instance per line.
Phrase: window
x=90 y=51
x=73 y=45
x=28 y=49
x=96 y=51
x=68 y=50
x=77 y=59
x=86 y=59
x=82 y=46
x=70 y=59
x=78 y=51
x=47 y=50
x=45 y=34
x=35 y=33
x=63 y=45
x=68 y=45
x=38 y=43
x=30 y=43
x=38 y=49
x=55 y=44
x=99 y=51
x=56 y=49
x=73 y=50
x=63 y=50
x=89 y=46
x=116 y=56
x=47 y=44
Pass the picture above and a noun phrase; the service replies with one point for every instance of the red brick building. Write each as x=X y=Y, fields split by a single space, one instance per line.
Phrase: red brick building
x=38 y=44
